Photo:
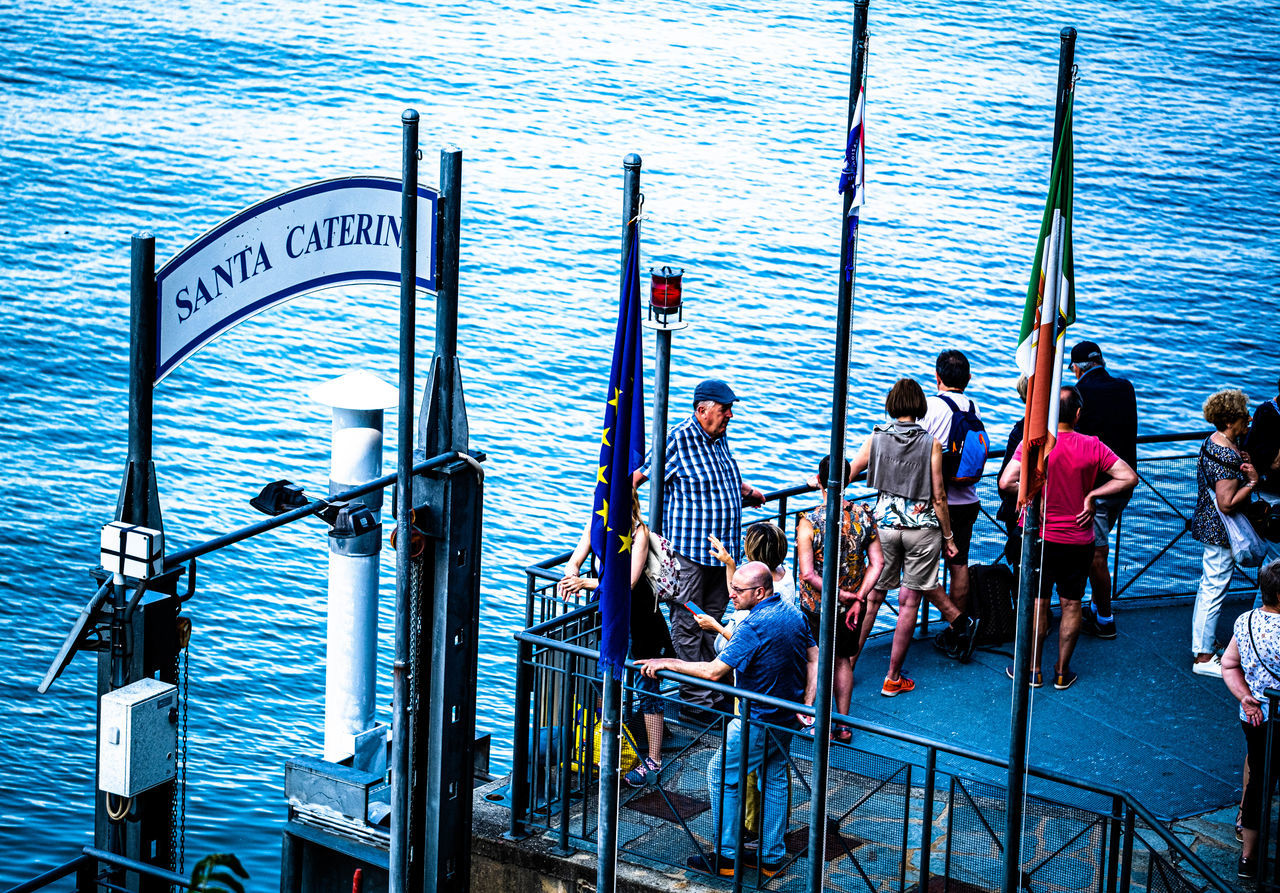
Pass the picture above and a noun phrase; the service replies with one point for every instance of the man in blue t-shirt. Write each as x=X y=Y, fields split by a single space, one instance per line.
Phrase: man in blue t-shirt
x=772 y=653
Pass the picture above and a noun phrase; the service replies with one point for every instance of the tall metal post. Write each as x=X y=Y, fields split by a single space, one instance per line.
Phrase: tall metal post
x=401 y=782
x=835 y=484
x=611 y=722
x=661 y=393
x=1029 y=580
x=142 y=373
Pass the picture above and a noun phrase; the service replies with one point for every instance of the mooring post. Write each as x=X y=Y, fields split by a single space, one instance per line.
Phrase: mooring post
x=835 y=485
x=400 y=720
x=1029 y=577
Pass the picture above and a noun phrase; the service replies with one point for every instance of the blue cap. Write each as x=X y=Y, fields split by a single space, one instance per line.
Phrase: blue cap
x=714 y=389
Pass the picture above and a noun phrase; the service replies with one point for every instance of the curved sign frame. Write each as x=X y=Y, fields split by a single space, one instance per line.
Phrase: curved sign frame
x=344 y=231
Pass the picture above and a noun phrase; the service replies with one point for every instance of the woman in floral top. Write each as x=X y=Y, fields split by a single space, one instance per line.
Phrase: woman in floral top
x=1250 y=666
x=860 y=564
x=1224 y=483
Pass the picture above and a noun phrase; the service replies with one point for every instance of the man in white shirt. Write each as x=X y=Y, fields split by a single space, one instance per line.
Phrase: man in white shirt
x=952 y=375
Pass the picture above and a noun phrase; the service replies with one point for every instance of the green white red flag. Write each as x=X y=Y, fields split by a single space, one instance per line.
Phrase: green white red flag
x=1040 y=345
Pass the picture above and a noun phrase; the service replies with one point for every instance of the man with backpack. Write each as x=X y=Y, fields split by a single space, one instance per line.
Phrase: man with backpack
x=1111 y=414
x=953 y=421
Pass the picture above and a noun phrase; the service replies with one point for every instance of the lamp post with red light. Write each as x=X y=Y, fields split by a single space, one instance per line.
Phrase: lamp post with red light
x=666 y=315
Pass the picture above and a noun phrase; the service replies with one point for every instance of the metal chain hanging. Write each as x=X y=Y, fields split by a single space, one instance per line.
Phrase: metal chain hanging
x=178 y=825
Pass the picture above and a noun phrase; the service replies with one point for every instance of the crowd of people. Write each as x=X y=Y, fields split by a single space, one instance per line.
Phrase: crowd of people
x=756 y=623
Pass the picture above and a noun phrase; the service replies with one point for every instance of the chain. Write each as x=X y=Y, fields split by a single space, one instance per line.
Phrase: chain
x=178 y=825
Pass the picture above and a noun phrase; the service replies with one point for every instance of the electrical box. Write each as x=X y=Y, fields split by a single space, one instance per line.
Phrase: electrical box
x=138 y=737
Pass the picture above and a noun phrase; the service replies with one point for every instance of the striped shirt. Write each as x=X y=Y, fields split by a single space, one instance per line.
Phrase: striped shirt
x=703 y=493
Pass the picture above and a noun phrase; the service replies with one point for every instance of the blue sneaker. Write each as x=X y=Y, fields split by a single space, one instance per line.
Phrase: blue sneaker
x=645 y=772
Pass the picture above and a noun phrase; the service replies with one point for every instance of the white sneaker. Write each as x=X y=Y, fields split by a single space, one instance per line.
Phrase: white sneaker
x=1210 y=667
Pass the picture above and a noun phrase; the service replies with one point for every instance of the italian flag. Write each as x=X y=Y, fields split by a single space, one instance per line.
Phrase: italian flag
x=1052 y=286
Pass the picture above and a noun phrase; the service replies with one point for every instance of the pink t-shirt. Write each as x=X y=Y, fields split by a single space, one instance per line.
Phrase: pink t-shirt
x=1075 y=462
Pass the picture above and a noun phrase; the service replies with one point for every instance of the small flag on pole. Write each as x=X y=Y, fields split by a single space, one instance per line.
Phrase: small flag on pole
x=1052 y=286
x=622 y=448
x=851 y=176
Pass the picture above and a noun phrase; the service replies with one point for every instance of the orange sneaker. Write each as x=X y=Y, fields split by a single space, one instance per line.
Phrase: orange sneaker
x=892 y=688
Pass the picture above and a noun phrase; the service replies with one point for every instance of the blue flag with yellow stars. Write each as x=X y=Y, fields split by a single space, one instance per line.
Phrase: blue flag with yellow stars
x=622 y=448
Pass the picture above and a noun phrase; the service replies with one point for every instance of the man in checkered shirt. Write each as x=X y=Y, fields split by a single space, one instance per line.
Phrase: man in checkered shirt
x=704 y=496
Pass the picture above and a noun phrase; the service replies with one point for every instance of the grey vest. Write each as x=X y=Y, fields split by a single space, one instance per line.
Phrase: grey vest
x=900 y=461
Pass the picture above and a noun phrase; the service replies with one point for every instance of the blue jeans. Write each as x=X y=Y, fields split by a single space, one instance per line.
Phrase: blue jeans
x=765 y=758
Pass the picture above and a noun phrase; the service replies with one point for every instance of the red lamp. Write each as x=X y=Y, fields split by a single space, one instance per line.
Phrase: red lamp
x=665 y=295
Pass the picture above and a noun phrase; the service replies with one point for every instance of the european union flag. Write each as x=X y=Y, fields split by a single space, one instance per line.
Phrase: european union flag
x=622 y=448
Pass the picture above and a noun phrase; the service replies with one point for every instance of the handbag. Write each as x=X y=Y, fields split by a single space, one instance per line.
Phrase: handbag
x=1262 y=516
x=660 y=567
x=1247 y=548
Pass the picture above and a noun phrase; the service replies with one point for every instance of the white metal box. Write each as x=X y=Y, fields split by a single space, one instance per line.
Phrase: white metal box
x=137 y=737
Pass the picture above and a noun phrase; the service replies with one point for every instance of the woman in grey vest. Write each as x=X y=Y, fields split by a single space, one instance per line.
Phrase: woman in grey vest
x=904 y=463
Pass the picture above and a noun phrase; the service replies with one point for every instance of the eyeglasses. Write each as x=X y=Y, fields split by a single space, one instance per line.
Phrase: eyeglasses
x=742 y=589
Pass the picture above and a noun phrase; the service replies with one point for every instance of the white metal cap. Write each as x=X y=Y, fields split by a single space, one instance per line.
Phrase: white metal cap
x=358 y=390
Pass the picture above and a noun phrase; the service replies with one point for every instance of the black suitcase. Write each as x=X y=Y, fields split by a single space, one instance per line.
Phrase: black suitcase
x=991 y=588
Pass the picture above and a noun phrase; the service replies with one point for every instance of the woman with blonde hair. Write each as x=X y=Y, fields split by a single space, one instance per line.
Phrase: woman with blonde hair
x=1224 y=484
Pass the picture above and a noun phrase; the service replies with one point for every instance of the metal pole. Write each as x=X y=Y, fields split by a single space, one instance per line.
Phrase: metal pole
x=611 y=721
x=1029 y=579
x=142 y=375
x=661 y=393
x=926 y=818
x=835 y=489
x=400 y=721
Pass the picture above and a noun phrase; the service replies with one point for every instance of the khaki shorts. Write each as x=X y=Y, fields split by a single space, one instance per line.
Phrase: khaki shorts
x=910 y=557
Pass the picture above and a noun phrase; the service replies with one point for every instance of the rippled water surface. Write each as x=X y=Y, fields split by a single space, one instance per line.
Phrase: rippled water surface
x=169 y=116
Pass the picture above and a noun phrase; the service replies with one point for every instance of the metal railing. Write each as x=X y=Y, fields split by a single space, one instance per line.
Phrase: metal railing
x=90 y=876
x=902 y=809
x=1086 y=837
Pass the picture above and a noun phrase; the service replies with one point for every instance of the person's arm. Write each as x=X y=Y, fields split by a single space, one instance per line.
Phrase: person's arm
x=875 y=564
x=751 y=496
x=1121 y=478
x=670 y=466
x=804 y=554
x=940 y=501
x=860 y=460
x=1009 y=477
x=719 y=552
x=711 y=625
x=713 y=670
x=1233 y=676
x=1232 y=495
x=639 y=552
x=811 y=680
x=573 y=567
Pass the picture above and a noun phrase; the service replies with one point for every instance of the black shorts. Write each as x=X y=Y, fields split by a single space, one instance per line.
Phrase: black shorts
x=846 y=639
x=1065 y=565
x=963 y=517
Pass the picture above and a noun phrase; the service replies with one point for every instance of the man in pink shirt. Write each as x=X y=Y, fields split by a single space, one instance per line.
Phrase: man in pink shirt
x=1076 y=462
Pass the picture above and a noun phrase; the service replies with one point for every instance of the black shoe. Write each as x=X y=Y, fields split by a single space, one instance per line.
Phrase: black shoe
x=1247 y=868
x=945 y=642
x=712 y=864
x=1090 y=625
x=969 y=640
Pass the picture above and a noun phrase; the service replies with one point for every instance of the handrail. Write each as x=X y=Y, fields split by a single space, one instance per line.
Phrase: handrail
x=530 y=637
x=252 y=530
x=88 y=856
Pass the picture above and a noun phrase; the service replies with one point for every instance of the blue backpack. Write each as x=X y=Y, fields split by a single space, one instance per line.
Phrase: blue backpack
x=964 y=452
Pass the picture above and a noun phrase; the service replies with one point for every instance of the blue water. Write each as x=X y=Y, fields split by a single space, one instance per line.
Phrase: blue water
x=170 y=116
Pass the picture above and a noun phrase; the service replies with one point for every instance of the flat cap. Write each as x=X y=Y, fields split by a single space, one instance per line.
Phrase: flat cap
x=714 y=389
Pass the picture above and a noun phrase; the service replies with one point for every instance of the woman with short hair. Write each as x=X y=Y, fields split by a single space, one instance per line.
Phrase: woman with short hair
x=1250 y=666
x=1224 y=483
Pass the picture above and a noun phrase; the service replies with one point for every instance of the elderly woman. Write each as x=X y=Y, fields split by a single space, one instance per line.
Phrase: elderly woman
x=1250 y=666
x=1224 y=483
x=904 y=463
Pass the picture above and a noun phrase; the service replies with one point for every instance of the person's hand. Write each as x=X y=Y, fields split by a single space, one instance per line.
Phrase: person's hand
x=650 y=668
x=717 y=550
x=849 y=598
x=952 y=549
x=705 y=622
x=571 y=582
x=1249 y=472
x=752 y=497
x=1252 y=709
x=805 y=719
x=1085 y=518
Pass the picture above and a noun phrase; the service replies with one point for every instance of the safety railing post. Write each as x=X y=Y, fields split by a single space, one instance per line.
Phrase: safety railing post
x=1126 y=853
x=1264 y=831
x=740 y=818
x=926 y=817
x=782 y=512
x=568 y=745
x=1113 y=850
x=520 y=779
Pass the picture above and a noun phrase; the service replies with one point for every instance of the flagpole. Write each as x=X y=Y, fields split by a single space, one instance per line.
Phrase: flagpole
x=835 y=484
x=611 y=722
x=1029 y=575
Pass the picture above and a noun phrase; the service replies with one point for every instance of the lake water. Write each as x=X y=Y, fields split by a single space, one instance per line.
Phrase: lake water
x=170 y=116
